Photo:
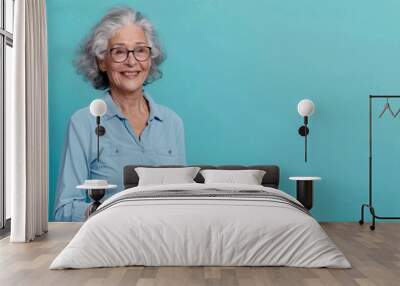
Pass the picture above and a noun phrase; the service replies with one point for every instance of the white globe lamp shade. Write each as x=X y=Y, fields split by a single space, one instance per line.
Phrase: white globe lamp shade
x=98 y=107
x=305 y=107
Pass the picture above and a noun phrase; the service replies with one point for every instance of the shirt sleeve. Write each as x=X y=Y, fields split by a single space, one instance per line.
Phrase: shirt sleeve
x=181 y=144
x=72 y=202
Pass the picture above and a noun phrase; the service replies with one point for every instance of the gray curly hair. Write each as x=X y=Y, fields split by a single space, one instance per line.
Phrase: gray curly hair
x=93 y=47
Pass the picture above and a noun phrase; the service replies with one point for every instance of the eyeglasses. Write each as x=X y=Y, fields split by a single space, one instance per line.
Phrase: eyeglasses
x=120 y=54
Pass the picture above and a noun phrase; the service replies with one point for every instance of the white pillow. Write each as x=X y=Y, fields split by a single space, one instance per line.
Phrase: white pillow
x=249 y=177
x=164 y=176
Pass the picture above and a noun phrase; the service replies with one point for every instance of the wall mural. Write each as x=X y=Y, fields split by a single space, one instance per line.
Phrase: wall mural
x=212 y=82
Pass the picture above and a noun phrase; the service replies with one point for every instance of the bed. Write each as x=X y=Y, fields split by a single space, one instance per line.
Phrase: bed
x=201 y=224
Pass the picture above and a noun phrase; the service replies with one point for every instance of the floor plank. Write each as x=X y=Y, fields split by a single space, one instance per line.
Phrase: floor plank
x=374 y=255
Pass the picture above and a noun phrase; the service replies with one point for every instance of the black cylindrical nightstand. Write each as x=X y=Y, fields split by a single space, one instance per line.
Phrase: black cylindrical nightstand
x=96 y=190
x=304 y=190
x=96 y=195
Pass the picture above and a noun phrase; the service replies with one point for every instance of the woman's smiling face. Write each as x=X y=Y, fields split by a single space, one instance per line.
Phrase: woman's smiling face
x=129 y=75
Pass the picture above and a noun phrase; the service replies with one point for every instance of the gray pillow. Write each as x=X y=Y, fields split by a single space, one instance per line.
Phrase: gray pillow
x=165 y=176
x=248 y=177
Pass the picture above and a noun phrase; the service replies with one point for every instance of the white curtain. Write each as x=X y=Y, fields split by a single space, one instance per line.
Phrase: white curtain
x=27 y=124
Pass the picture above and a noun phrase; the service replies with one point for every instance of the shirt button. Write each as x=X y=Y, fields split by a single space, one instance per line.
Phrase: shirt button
x=169 y=152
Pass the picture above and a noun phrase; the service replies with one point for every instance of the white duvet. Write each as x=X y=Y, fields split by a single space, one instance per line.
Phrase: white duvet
x=200 y=231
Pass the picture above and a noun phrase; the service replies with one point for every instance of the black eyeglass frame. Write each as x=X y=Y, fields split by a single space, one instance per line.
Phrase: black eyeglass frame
x=128 y=52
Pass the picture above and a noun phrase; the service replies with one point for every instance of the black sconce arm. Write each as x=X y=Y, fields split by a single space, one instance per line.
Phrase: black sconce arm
x=304 y=131
x=100 y=131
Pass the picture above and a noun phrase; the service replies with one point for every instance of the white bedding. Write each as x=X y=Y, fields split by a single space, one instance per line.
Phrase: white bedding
x=200 y=231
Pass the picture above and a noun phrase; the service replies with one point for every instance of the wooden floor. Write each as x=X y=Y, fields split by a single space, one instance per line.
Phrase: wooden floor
x=375 y=257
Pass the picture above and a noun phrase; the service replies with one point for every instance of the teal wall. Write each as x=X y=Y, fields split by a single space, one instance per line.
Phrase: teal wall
x=235 y=72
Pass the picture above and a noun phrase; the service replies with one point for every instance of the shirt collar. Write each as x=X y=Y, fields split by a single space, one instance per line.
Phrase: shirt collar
x=113 y=110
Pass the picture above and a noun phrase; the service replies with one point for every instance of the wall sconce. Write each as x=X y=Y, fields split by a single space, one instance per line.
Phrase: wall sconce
x=305 y=108
x=98 y=108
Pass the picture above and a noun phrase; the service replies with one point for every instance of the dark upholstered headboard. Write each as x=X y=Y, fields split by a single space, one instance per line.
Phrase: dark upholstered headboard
x=270 y=179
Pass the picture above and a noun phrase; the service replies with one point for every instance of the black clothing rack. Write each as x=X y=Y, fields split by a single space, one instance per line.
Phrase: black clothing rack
x=369 y=205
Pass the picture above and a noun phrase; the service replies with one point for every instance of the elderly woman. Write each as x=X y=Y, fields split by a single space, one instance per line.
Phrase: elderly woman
x=120 y=55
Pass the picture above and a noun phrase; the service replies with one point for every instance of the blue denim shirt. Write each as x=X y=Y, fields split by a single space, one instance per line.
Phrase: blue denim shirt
x=161 y=143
